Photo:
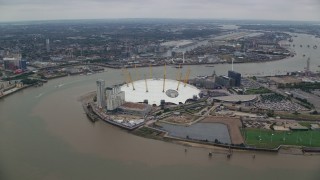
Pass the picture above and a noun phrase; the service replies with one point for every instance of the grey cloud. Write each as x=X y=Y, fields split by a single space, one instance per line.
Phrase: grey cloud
x=237 y=9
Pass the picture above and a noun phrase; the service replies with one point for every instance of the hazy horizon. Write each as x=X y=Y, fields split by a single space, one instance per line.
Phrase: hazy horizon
x=223 y=21
x=35 y=10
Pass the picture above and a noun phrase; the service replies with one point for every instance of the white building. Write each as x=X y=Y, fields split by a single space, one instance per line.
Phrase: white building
x=101 y=93
x=115 y=97
x=4 y=84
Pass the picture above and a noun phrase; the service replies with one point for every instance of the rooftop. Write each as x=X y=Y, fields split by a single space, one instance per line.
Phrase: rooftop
x=155 y=91
x=236 y=98
x=132 y=105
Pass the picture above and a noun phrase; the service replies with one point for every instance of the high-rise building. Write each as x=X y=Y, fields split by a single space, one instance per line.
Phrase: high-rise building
x=101 y=93
x=48 y=45
x=307 y=69
x=236 y=77
x=115 y=98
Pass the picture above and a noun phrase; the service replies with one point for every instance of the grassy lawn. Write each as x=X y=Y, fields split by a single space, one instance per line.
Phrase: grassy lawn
x=306 y=117
x=148 y=133
x=306 y=124
x=265 y=139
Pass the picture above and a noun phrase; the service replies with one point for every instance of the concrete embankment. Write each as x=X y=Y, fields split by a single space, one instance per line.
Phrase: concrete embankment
x=13 y=90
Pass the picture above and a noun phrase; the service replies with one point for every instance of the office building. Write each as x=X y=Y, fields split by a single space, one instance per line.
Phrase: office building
x=236 y=77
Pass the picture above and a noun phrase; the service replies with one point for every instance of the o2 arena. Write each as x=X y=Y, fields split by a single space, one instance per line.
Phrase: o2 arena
x=155 y=90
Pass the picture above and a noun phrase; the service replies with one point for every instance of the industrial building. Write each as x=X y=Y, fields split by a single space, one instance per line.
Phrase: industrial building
x=14 y=62
x=101 y=93
x=115 y=97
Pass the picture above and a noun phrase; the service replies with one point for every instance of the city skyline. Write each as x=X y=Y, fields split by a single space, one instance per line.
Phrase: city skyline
x=24 y=10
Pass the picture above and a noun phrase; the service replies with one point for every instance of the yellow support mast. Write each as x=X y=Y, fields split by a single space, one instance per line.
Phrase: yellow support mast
x=150 y=71
x=179 y=71
x=137 y=73
x=179 y=81
x=187 y=77
x=129 y=78
x=145 y=79
x=164 y=76
x=126 y=79
x=131 y=81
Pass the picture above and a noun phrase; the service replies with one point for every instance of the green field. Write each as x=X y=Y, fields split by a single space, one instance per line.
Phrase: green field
x=307 y=117
x=272 y=139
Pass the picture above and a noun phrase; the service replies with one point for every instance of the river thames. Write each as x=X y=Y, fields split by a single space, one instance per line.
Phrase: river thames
x=44 y=134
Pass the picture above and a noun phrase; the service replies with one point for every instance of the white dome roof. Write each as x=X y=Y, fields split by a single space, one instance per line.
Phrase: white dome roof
x=155 y=91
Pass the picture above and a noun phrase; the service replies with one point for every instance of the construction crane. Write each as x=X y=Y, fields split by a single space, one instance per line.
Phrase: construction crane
x=187 y=77
x=164 y=76
x=145 y=79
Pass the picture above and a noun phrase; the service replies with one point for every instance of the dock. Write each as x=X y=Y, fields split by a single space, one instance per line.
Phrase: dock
x=311 y=149
x=93 y=117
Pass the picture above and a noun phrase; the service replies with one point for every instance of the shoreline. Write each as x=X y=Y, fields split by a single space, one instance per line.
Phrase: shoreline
x=13 y=92
x=184 y=64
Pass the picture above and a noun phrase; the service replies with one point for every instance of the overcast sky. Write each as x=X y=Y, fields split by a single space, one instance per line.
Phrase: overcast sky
x=16 y=10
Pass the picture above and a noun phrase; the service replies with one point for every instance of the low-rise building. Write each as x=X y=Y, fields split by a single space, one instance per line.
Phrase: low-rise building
x=140 y=109
x=4 y=84
x=315 y=127
x=225 y=81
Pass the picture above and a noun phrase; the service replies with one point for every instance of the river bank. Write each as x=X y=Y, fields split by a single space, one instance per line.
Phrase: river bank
x=13 y=90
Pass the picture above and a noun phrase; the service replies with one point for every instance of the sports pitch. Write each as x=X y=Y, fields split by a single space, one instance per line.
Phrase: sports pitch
x=272 y=139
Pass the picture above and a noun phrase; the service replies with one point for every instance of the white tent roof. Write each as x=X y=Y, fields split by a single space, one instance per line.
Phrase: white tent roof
x=155 y=91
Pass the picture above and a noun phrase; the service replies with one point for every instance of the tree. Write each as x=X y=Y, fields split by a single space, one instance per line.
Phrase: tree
x=254 y=78
x=314 y=112
x=296 y=113
x=270 y=113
